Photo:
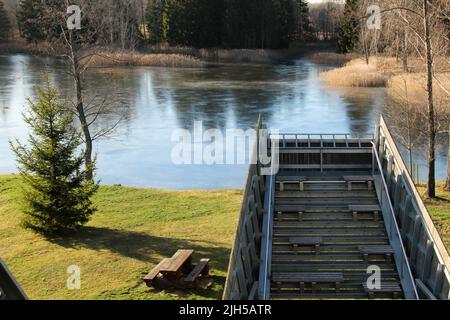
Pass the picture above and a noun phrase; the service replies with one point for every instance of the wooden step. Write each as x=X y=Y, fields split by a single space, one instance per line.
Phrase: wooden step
x=340 y=211
x=324 y=194
x=335 y=232
x=359 y=202
x=328 y=224
x=323 y=267
x=323 y=216
x=324 y=257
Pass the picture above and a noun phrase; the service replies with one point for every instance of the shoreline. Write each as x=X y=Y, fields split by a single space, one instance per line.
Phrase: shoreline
x=184 y=57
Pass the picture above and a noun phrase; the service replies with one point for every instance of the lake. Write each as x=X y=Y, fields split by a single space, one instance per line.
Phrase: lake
x=155 y=102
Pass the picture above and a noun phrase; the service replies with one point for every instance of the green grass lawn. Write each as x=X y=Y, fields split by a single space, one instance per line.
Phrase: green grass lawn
x=440 y=212
x=131 y=232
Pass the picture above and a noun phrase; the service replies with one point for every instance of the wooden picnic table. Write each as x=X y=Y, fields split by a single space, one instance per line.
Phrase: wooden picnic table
x=180 y=262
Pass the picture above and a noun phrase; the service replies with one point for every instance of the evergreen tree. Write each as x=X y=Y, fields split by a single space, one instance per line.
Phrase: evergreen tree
x=348 y=34
x=5 y=25
x=57 y=193
x=157 y=21
x=28 y=16
x=302 y=22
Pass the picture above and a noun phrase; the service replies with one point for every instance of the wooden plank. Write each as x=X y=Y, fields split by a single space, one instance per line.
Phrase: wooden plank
x=177 y=261
x=427 y=260
x=376 y=249
x=363 y=208
x=415 y=239
x=428 y=222
x=386 y=287
x=156 y=270
x=231 y=289
x=201 y=268
x=253 y=295
x=358 y=178
x=424 y=289
x=308 y=277
x=438 y=280
x=306 y=241
x=290 y=179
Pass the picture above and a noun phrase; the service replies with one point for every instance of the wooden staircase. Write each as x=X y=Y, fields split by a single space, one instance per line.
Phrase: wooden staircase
x=324 y=240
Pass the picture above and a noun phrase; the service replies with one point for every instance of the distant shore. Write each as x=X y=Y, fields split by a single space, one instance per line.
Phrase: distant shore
x=166 y=56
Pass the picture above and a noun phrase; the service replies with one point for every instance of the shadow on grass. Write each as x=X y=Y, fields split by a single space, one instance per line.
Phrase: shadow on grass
x=142 y=246
x=142 y=292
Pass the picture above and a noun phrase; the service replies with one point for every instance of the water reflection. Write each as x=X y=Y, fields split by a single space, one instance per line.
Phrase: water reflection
x=156 y=101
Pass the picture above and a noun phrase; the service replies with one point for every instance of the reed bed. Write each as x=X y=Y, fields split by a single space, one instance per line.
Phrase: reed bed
x=413 y=87
x=107 y=59
x=355 y=73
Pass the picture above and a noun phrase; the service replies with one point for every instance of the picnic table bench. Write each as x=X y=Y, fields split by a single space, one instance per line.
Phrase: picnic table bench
x=178 y=270
x=300 y=180
x=376 y=209
x=309 y=277
x=359 y=179
x=386 y=287
x=377 y=250
x=202 y=269
x=316 y=242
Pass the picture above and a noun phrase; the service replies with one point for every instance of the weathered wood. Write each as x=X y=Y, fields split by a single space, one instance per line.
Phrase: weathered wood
x=236 y=285
x=362 y=208
x=427 y=260
x=306 y=241
x=151 y=276
x=174 y=264
x=200 y=269
x=415 y=239
x=417 y=206
x=295 y=242
x=355 y=209
x=386 y=250
x=425 y=290
x=308 y=277
x=386 y=287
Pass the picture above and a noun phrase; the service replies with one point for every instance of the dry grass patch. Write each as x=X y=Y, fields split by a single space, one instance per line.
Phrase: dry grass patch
x=106 y=59
x=356 y=73
x=414 y=87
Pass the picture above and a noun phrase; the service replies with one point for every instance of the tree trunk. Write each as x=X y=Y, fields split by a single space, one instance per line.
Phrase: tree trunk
x=447 y=183
x=82 y=117
x=365 y=47
x=431 y=188
x=410 y=151
x=405 y=53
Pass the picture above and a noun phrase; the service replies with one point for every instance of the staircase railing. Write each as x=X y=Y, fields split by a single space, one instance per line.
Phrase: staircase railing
x=427 y=254
x=9 y=288
x=401 y=259
x=265 y=271
x=243 y=269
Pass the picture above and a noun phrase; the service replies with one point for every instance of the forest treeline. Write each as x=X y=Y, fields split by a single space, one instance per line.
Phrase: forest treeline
x=228 y=23
x=129 y=24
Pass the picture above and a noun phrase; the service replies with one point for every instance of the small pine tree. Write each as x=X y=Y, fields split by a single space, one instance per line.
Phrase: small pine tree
x=155 y=21
x=5 y=25
x=56 y=193
x=348 y=34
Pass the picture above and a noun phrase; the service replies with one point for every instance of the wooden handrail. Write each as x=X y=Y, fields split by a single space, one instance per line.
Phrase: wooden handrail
x=417 y=199
x=235 y=264
x=386 y=140
x=407 y=279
